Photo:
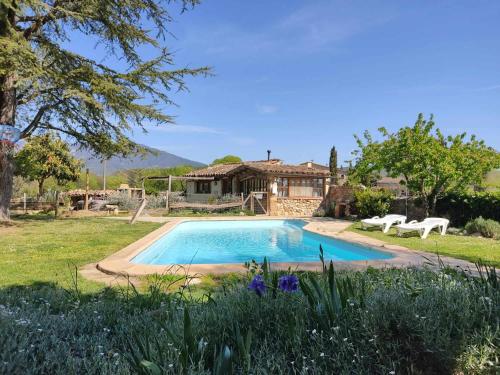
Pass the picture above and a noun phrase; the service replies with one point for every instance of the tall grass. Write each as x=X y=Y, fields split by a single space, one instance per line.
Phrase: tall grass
x=372 y=322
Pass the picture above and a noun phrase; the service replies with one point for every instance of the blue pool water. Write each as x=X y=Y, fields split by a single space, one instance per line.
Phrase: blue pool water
x=238 y=241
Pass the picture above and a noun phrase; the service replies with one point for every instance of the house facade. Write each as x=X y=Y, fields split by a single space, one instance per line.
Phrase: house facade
x=282 y=190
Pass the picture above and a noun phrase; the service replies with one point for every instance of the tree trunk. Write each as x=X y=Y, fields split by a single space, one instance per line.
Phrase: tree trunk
x=7 y=116
x=40 y=189
x=426 y=205
x=6 y=179
x=433 y=205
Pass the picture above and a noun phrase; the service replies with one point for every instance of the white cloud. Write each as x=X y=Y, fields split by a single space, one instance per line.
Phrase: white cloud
x=311 y=27
x=266 y=109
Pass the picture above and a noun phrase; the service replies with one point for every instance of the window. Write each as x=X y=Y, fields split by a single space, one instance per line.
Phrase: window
x=202 y=187
x=301 y=187
x=283 y=187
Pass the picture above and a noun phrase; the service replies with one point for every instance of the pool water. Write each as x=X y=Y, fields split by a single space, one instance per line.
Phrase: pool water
x=238 y=241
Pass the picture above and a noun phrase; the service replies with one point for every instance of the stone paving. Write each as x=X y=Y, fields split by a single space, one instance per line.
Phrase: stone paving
x=118 y=264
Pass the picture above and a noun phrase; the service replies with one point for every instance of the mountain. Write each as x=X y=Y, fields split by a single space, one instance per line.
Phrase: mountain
x=155 y=159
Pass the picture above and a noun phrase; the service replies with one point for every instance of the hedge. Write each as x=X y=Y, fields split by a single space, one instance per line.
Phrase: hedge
x=463 y=207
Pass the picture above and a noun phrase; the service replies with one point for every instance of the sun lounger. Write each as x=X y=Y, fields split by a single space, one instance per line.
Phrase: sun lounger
x=424 y=227
x=385 y=222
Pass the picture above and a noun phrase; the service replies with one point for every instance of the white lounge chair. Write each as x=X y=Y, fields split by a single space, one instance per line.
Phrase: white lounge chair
x=424 y=227
x=385 y=222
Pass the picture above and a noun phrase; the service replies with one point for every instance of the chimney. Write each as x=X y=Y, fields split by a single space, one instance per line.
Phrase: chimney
x=268 y=155
x=309 y=164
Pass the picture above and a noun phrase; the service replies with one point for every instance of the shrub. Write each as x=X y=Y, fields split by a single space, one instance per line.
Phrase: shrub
x=372 y=322
x=486 y=227
x=372 y=202
x=320 y=212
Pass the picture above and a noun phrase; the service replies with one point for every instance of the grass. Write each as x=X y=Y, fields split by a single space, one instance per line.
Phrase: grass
x=370 y=322
x=462 y=247
x=39 y=249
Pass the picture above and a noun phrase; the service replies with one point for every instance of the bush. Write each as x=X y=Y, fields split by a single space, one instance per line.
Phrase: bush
x=320 y=212
x=372 y=202
x=486 y=227
x=463 y=207
x=372 y=322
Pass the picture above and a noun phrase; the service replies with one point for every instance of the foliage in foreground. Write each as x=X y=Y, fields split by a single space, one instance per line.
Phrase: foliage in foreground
x=390 y=321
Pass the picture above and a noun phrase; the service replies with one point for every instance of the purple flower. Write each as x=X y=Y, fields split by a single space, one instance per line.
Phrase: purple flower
x=257 y=285
x=288 y=283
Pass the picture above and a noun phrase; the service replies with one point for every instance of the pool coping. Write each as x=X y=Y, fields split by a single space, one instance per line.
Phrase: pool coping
x=119 y=263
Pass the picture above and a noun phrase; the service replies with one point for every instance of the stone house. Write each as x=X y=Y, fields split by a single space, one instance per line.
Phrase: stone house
x=281 y=189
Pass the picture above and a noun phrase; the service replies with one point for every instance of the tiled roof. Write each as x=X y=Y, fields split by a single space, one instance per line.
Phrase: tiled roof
x=259 y=166
x=289 y=169
x=214 y=170
x=316 y=165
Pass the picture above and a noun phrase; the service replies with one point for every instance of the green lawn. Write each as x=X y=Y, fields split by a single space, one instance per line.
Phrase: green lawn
x=40 y=249
x=463 y=247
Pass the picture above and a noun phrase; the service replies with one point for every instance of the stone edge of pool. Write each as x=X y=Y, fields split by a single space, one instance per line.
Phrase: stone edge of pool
x=119 y=263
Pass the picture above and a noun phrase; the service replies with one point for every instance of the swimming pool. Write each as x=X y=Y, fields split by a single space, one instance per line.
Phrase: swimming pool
x=238 y=241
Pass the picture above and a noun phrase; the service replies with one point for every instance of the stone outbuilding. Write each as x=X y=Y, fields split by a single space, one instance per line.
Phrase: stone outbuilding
x=265 y=186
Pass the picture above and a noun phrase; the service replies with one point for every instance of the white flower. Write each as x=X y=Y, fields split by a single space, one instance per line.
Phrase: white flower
x=313 y=332
x=171 y=365
x=345 y=339
x=392 y=372
x=322 y=354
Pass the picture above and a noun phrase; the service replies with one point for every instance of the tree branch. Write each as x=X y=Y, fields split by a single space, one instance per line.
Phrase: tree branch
x=36 y=120
x=39 y=21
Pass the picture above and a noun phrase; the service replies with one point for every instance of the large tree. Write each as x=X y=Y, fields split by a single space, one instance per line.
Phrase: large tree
x=429 y=163
x=47 y=156
x=46 y=83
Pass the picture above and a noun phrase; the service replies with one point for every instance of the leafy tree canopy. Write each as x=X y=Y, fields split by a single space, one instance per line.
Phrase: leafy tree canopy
x=48 y=84
x=429 y=162
x=93 y=102
x=227 y=159
x=47 y=156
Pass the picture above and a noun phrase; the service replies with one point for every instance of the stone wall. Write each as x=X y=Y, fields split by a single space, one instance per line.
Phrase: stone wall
x=296 y=207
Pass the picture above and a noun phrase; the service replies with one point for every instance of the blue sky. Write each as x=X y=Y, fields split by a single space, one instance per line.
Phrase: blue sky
x=297 y=77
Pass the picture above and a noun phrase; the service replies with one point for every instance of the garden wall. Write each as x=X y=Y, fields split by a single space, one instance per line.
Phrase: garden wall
x=297 y=206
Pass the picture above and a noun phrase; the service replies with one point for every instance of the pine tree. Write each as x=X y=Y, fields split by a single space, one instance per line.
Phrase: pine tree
x=44 y=86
